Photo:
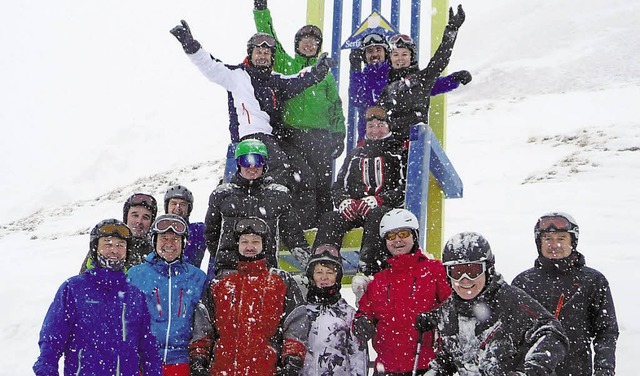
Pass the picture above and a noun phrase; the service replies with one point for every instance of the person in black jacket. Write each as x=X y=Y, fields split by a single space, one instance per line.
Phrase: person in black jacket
x=488 y=327
x=251 y=193
x=406 y=97
x=579 y=296
x=370 y=182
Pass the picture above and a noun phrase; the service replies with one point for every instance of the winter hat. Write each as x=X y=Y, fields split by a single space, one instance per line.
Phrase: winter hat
x=308 y=31
x=105 y=228
x=556 y=222
x=140 y=199
x=181 y=192
x=326 y=255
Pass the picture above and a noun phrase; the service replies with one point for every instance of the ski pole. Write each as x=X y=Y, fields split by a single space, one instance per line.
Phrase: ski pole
x=415 y=362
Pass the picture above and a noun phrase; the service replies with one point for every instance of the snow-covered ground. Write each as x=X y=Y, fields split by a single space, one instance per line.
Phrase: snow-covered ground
x=100 y=102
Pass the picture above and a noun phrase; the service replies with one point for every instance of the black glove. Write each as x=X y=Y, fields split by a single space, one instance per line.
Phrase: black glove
x=198 y=366
x=463 y=76
x=325 y=61
x=355 y=60
x=260 y=4
x=456 y=20
x=426 y=321
x=363 y=329
x=291 y=366
x=183 y=34
x=338 y=145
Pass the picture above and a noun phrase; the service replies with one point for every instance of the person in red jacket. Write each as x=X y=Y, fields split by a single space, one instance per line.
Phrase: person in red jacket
x=258 y=318
x=388 y=309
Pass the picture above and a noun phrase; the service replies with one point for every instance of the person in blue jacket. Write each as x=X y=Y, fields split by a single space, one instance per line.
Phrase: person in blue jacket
x=173 y=288
x=178 y=200
x=366 y=84
x=98 y=321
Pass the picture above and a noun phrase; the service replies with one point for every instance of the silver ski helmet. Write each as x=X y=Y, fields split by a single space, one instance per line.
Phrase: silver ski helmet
x=556 y=222
x=181 y=192
x=398 y=218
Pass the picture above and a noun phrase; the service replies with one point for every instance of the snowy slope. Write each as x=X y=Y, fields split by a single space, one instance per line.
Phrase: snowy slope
x=101 y=102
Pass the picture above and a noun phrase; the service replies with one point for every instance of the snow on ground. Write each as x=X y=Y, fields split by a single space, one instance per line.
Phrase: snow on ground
x=101 y=102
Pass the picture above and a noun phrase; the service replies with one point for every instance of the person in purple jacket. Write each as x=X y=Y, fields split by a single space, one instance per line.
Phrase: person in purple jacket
x=98 y=321
x=366 y=84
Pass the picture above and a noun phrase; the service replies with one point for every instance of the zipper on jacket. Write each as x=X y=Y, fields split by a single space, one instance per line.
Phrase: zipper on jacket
x=79 y=362
x=169 y=308
x=158 y=305
x=124 y=322
x=180 y=303
x=246 y=112
x=559 y=306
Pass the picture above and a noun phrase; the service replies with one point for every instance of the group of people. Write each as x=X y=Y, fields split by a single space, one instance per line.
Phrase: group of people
x=142 y=304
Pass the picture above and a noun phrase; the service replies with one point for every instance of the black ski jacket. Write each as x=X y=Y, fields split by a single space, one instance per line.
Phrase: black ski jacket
x=407 y=96
x=580 y=298
x=500 y=331
x=242 y=198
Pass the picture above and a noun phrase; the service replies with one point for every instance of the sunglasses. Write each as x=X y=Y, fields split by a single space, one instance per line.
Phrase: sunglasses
x=372 y=39
x=252 y=160
x=263 y=40
x=112 y=229
x=557 y=223
x=251 y=226
x=471 y=270
x=402 y=234
x=331 y=250
x=401 y=38
x=167 y=224
x=142 y=199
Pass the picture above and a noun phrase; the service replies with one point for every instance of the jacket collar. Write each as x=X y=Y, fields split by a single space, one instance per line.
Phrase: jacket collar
x=252 y=267
x=563 y=265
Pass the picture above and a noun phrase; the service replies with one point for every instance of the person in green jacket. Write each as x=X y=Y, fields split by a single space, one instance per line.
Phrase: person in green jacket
x=314 y=119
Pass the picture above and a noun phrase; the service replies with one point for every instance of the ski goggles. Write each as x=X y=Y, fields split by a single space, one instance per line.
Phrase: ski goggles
x=114 y=229
x=251 y=226
x=251 y=160
x=327 y=248
x=470 y=270
x=401 y=39
x=142 y=199
x=402 y=234
x=163 y=225
x=373 y=40
x=263 y=40
x=553 y=223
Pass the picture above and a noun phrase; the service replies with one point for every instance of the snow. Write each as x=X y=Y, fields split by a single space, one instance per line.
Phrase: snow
x=101 y=102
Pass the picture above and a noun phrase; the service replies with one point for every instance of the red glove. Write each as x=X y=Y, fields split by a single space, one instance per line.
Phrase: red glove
x=348 y=209
x=367 y=203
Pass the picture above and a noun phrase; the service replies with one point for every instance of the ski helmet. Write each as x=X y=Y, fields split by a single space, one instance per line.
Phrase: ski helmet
x=251 y=152
x=556 y=222
x=326 y=253
x=261 y=40
x=178 y=191
x=140 y=199
x=404 y=41
x=399 y=218
x=108 y=227
x=374 y=39
x=251 y=225
x=170 y=222
x=308 y=31
x=467 y=247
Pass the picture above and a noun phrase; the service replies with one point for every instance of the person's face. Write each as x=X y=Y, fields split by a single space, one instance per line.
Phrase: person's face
x=400 y=58
x=308 y=46
x=139 y=220
x=373 y=54
x=112 y=248
x=251 y=173
x=555 y=245
x=178 y=206
x=324 y=276
x=399 y=245
x=250 y=245
x=377 y=129
x=468 y=289
x=261 y=56
x=169 y=246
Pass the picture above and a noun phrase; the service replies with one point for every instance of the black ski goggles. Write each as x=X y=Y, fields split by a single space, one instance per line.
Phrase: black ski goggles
x=554 y=223
x=251 y=226
x=163 y=225
x=114 y=229
x=470 y=270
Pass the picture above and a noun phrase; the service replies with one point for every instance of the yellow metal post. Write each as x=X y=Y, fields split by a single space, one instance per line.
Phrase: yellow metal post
x=315 y=13
x=438 y=123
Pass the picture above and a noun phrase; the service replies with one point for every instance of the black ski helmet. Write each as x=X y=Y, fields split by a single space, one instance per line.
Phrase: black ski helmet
x=374 y=39
x=178 y=191
x=108 y=227
x=308 y=31
x=261 y=40
x=329 y=254
x=468 y=247
x=140 y=199
x=251 y=225
x=556 y=222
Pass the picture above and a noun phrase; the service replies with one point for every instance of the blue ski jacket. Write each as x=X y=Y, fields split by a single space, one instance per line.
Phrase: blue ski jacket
x=101 y=325
x=172 y=292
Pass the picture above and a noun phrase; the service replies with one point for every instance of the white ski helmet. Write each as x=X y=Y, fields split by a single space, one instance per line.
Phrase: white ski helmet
x=398 y=218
